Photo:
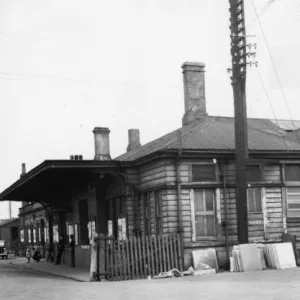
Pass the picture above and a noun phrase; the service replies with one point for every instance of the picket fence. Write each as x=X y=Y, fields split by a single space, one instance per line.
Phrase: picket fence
x=140 y=257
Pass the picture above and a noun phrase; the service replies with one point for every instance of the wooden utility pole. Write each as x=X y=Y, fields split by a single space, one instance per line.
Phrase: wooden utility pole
x=239 y=63
x=9 y=209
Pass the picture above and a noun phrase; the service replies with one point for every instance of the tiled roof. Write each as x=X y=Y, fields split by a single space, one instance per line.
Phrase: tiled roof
x=217 y=133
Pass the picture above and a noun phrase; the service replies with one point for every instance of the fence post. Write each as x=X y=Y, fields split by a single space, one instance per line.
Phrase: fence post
x=93 y=268
x=101 y=257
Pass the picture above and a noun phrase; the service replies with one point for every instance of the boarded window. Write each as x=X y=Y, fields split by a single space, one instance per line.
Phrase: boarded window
x=254 y=200
x=157 y=195
x=84 y=220
x=293 y=202
x=205 y=213
x=205 y=173
x=253 y=173
x=292 y=172
x=146 y=197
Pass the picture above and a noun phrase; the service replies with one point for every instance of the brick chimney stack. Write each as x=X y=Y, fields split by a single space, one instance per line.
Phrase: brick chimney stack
x=133 y=139
x=101 y=137
x=194 y=91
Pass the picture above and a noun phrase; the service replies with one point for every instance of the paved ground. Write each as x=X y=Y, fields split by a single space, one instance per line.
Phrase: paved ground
x=79 y=274
x=19 y=283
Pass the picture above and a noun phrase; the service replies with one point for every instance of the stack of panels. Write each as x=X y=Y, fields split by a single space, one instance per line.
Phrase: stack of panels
x=280 y=256
x=247 y=257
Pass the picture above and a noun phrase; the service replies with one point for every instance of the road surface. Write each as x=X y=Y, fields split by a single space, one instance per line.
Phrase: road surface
x=17 y=283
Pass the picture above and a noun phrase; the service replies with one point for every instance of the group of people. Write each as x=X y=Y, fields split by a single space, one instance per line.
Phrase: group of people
x=60 y=250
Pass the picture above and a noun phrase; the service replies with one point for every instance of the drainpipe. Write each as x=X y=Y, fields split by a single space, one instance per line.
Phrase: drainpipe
x=178 y=185
x=225 y=223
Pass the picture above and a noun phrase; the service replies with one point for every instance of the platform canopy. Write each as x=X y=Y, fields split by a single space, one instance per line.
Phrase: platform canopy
x=53 y=181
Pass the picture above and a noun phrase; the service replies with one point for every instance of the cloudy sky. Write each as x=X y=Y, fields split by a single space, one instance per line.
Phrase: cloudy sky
x=68 y=66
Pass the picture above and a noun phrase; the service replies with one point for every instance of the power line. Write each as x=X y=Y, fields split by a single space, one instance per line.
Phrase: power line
x=267 y=95
x=28 y=76
x=275 y=69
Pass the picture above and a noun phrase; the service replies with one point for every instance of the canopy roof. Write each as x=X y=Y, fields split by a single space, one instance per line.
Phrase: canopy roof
x=52 y=181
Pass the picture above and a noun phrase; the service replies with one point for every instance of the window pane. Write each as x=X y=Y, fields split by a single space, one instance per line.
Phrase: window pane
x=293 y=190
x=258 y=200
x=204 y=172
x=199 y=200
x=253 y=173
x=254 y=200
x=294 y=197
x=200 y=226
x=209 y=200
x=210 y=223
x=292 y=173
x=250 y=200
x=294 y=205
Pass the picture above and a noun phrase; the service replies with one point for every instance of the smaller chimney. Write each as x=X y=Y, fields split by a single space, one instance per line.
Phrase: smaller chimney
x=23 y=170
x=101 y=137
x=133 y=139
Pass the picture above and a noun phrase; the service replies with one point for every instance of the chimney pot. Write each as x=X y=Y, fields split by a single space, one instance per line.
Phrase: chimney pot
x=133 y=139
x=23 y=170
x=101 y=138
x=194 y=91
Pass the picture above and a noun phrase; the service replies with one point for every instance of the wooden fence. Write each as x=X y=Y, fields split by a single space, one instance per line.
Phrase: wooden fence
x=137 y=258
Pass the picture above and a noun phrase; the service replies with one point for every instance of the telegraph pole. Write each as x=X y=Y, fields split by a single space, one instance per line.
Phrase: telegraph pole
x=239 y=64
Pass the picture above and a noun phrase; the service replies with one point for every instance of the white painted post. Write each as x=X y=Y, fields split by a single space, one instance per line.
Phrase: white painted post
x=93 y=268
x=192 y=203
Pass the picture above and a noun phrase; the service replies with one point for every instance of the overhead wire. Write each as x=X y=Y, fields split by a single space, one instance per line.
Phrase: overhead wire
x=273 y=111
x=274 y=67
x=28 y=76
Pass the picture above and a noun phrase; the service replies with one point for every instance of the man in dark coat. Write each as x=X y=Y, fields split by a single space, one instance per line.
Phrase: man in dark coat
x=60 y=249
x=72 y=245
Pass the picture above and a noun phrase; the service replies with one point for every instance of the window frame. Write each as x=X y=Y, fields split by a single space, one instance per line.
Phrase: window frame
x=260 y=170
x=261 y=200
x=285 y=173
x=292 y=213
x=22 y=235
x=29 y=235
x=216 y=172
x=206 y=213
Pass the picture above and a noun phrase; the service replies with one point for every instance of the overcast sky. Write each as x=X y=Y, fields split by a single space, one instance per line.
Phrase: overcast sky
x=67 y=66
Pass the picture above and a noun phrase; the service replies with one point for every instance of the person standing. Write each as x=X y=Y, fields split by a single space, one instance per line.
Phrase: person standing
x=28 y=255
x=60 y=250
x=72 y=245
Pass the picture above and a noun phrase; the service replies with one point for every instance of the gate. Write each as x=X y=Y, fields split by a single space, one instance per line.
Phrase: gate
x=137 y=258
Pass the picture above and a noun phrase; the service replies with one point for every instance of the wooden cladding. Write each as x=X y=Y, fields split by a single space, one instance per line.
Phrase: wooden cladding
x=137 y=258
